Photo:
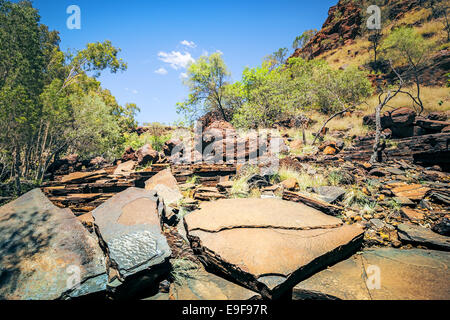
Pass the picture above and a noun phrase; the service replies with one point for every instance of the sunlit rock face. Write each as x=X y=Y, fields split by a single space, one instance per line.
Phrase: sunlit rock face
x=269 y=245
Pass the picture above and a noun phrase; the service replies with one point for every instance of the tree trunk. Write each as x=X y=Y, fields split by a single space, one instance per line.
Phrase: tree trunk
x=329 y=119
x=304 y=135
x=17 y=171
x=377 y=152
x=41 y=151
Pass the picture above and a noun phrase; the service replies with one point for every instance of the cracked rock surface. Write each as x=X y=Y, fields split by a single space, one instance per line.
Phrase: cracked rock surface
x=268 y=245
x=414 y=274
x=129 y=224
x=207 y=286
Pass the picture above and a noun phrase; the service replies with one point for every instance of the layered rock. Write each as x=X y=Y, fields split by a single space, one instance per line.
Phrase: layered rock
x=206 y=286
x=268 y=245
x=166 y=186
x=382 y=274
x=417 y=235
x=46 y=252
x=146 y=155
x=129 y=225
x=125 y=168
x=400 y=121
x=428 y=150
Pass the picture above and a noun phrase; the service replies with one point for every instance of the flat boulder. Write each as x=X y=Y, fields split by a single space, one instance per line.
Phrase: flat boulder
x=146 y=155
x=80 y=177
x=268 y=245
x=417 y=235
x=125 y=168
x=415 y=192
x=330 y=194
x=414 y=274
x=400 y=121
x=164 y=177
x=46 y=253
x=129 y=224
x=206 y=286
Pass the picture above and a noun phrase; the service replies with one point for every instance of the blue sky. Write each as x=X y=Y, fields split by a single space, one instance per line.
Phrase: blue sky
x=158 y=39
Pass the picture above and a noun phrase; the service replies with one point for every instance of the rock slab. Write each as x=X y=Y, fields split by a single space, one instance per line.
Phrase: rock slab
x=422 y=236
x=414 y=274
x=43 y=249
x=207 y=286
x=268 y=245
x=129 y=224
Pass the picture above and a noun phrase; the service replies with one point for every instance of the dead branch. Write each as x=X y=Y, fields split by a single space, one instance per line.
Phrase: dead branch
x=329 y=119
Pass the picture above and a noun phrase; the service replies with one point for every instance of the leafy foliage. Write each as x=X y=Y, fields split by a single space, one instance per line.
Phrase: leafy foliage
x=207 y=78
x=267 y=96
x=50 y=102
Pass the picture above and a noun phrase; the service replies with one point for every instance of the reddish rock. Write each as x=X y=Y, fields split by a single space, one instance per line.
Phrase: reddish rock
x=78 y=177
x=146 y=155
x=413 y=191
x=400 y=122
x=71 y=158
x=164 y=177
x=296 y=145
x=129 y=154
x=413 y=215
x=220 y=124
x=125 y=168
x=324 y=145
x=291 y=163
x=438 y=116
x=290 y=184
x=170 y=145
x=432 y=125
x=329 y=151
x=273 y=246
x=98 y=161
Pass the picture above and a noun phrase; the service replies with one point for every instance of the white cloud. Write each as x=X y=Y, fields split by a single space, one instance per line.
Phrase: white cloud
x=132 y=91
x=183 y=75
x=161 y=71
x=189 y=44
x=176 y=59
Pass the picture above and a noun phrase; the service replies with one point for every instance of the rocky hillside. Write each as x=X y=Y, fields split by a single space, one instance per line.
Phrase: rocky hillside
x=344 y=37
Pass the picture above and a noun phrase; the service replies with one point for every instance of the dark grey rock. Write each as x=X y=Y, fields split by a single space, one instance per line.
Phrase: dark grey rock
x=330 y=194
x=422 y=236
x=442 y=227
x=129 y=224
x=44 y=249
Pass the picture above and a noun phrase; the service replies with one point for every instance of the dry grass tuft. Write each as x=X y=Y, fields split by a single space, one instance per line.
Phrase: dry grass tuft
x=304 y=180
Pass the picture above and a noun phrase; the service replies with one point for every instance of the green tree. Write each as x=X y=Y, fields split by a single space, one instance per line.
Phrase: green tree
x=302 y=40
x=207 y=80
x=276 y=59
x=266 y=96
x=375 y=40
x=46 y=95
x=404 y=46
x=271 y=95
